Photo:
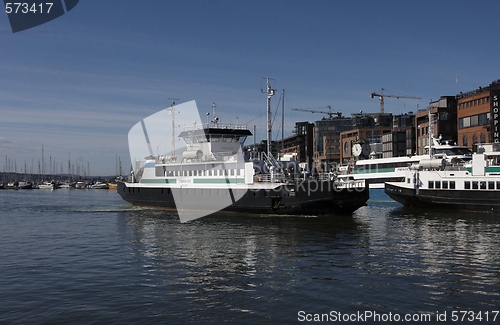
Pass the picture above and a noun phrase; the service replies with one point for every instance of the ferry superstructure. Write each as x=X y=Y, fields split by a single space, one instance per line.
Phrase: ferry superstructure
x=380 y=170
x=212 y=174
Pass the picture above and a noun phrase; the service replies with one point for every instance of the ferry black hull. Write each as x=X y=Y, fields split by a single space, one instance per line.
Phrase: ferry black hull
x=471 y=200
x=305 y=198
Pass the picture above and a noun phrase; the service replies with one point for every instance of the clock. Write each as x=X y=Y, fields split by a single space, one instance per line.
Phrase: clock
x=356 y=150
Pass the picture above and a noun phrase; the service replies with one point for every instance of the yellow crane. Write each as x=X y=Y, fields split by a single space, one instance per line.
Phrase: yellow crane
x=382 y=95
x=329 y=113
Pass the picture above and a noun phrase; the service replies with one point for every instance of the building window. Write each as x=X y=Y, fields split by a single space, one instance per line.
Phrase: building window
x=474 y=139
x=474 y=120
x=483 y=119
x=483 y=138
x=466 y=122
x=465 y=141
x=443 y=116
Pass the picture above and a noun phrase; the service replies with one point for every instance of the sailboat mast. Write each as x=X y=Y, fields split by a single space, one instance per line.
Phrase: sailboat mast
x=43 y=164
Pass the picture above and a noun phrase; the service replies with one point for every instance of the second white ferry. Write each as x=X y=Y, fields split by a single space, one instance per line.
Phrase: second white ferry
x=380 y=170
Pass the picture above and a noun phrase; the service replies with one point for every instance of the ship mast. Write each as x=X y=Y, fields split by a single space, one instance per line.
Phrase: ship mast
x=270 y=93
x=431 y=134
x=172 y=112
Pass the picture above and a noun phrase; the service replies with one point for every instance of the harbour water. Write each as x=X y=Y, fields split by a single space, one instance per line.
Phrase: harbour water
x=87 y=257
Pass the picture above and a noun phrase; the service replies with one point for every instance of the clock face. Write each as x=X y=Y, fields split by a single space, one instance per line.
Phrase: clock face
x=366 y=149
x=356 y=149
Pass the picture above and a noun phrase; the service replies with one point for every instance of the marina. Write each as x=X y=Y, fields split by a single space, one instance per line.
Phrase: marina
x=53 y=185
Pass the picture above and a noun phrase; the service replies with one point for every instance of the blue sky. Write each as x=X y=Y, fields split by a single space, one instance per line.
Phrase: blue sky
x=77 y=84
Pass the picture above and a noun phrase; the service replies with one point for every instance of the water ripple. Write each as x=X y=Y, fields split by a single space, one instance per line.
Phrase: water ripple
x=89 y=258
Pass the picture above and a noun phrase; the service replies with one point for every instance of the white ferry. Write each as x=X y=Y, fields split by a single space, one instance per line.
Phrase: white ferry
x=435 y=183
x=212 y=174
x=380 y=170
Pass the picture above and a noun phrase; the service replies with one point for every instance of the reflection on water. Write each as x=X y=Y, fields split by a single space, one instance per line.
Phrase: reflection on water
x=412 y=261
x=254 y=260
x=452 y=257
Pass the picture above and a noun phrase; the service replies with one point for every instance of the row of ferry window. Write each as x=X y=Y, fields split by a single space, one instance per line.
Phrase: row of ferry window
x=215 y=192
x=475 y=185
x=214 y=172
x=381 y=165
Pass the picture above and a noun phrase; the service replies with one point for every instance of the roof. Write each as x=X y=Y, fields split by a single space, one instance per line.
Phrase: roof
x=220 y=131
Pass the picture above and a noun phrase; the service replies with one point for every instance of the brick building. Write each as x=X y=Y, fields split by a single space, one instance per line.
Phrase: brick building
x=478 y=116
x=371 y=128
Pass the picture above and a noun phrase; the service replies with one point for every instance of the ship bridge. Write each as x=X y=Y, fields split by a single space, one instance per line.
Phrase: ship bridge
x=213 y=143
x=221 y=133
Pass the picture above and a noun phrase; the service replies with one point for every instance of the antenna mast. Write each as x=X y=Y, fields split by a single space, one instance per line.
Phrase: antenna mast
x=283 y=123
x=216 y=119
x=172 y=112
x=270 y=93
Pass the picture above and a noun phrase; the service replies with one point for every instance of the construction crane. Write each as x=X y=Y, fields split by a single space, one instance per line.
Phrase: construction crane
x=382 y=95
x=329 y=113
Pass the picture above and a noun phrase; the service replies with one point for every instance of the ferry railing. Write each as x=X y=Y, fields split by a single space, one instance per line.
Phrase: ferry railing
x=358 y=183
x=274 y=167
x=268 y=178
x=216 y=126
x=218 y=156
x=270 y=160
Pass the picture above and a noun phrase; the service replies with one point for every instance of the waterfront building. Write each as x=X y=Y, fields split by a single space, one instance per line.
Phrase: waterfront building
x=300 y=144
x=444 y=122
x=327 y=151
x=478 y=116
x=369 y=129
